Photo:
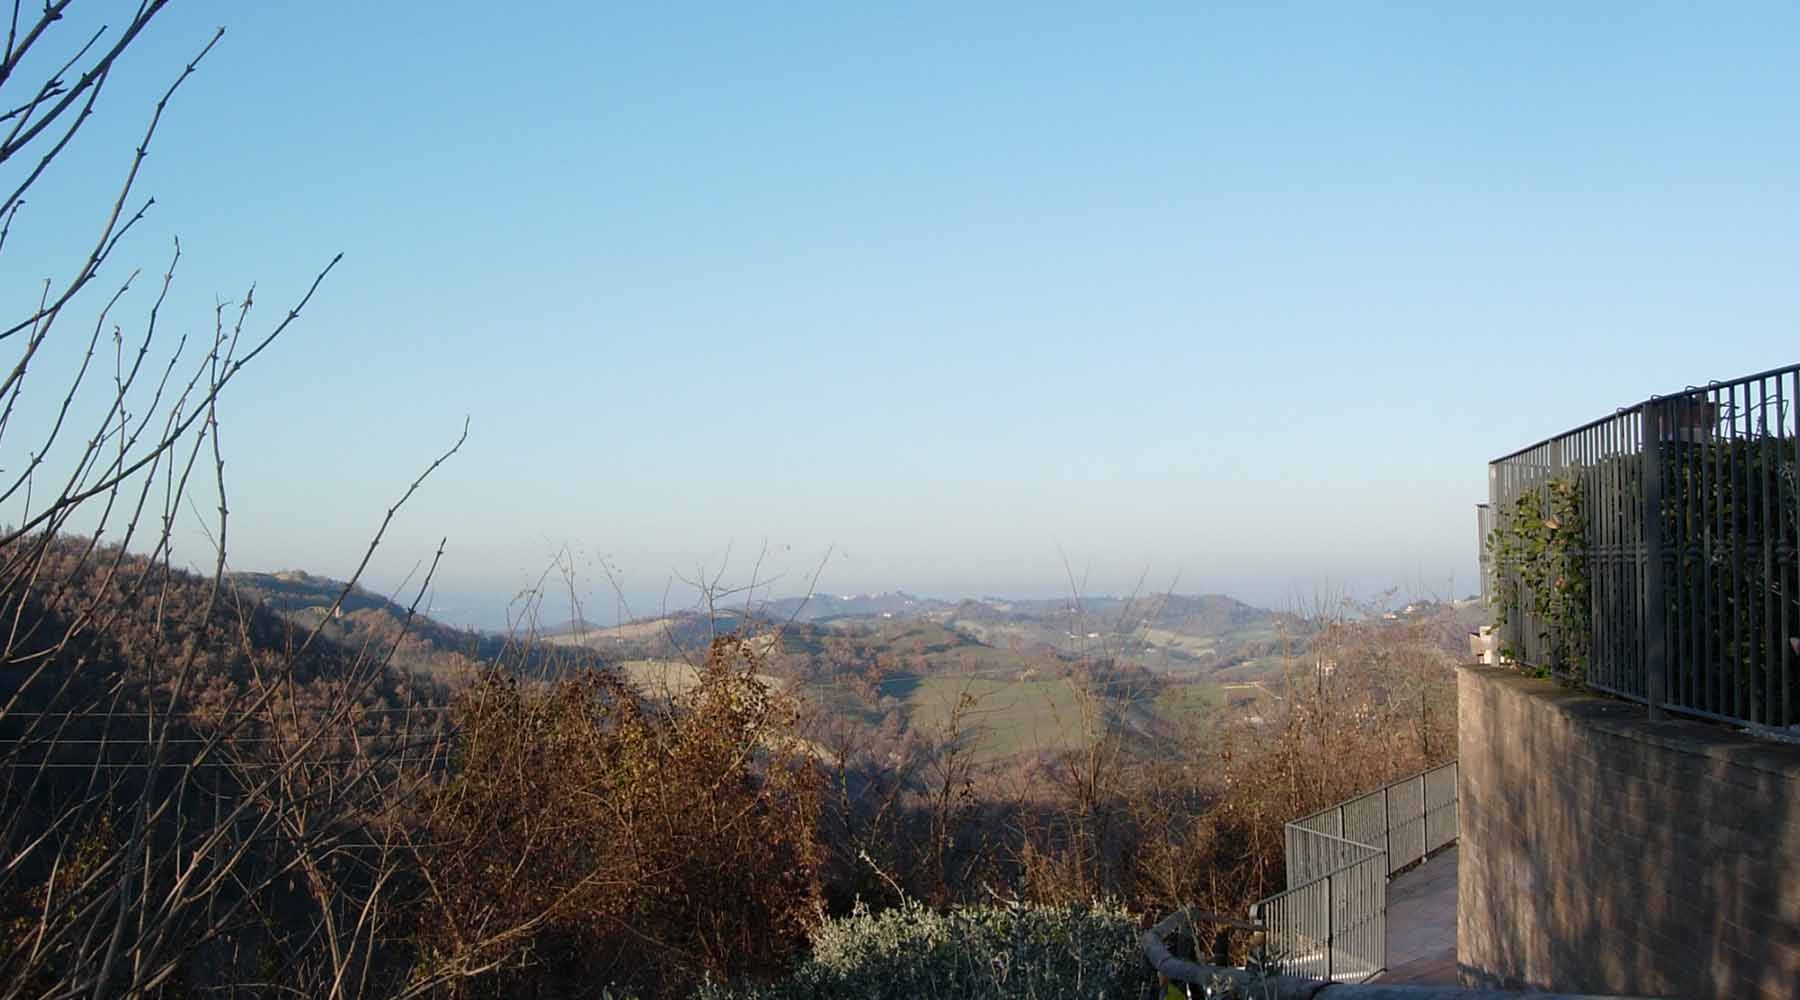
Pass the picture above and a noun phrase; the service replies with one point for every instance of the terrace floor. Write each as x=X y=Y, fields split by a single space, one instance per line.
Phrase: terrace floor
x=1421 y=924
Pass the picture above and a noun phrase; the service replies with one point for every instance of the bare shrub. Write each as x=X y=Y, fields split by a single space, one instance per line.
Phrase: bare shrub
x=629 y=842
x=194 y=794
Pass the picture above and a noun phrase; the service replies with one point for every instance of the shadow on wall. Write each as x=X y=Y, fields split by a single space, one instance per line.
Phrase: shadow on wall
x=1605 y=853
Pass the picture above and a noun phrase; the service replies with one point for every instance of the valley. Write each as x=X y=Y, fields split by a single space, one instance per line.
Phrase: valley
x=1006 y=678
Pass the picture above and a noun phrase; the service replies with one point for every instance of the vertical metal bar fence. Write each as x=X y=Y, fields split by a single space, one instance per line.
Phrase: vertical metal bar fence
x=1690 y=512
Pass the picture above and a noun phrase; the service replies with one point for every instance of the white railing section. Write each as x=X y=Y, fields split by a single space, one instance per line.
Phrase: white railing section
x=1331 y=923
x=1408 y=819
x=1332 y=926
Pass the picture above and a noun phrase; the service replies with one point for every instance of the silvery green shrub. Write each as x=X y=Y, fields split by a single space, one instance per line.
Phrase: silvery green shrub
x=1013 y=951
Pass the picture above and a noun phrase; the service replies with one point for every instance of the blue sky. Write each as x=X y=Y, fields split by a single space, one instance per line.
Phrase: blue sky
x=1246 y=294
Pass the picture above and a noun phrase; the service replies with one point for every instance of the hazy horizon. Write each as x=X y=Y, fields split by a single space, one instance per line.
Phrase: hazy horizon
x=1243 y=299
x=601 y=604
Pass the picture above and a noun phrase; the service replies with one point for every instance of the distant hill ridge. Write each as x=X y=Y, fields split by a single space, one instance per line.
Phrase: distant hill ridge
x=552 y=627
x=295 y=589
x=1210 y=611
x=424 y=644
x=1176 y=631
x=822 y=606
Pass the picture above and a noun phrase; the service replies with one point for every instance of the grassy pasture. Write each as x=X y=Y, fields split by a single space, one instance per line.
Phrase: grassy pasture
x=1008 y=717
x=666 y=678
x=1180 y=703
x=1181 y=642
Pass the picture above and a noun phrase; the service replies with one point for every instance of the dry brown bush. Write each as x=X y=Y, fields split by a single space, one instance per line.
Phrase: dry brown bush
x=1188 y=816
x=630 y=842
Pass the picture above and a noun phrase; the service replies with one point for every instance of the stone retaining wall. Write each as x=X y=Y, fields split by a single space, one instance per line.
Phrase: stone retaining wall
x=1603 y=853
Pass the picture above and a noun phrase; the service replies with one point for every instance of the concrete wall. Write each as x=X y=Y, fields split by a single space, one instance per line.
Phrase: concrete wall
x=1602 y=853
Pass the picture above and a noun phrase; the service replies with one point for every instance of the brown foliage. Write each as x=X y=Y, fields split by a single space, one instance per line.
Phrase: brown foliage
x=94 y=623
x=1198 y=818
x=1158 y=818
x=633 y=842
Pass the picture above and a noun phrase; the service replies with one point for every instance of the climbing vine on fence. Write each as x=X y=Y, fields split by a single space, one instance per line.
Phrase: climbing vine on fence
x=1733 y=582
x=1539 y=546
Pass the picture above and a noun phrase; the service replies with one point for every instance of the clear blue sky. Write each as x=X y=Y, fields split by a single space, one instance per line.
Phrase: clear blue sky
x=1247 y=293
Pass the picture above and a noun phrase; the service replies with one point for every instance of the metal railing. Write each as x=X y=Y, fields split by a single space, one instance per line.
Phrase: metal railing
x=1333 y=926
x=1218 y=979
x=1407 y=820
x=1331 y=922
x=1691 y=539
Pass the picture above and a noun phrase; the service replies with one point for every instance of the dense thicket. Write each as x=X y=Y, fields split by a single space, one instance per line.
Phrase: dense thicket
x=638 y=842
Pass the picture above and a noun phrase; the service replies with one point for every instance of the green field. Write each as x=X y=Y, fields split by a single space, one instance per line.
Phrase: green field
x=1007 y=717
x=1190 y=702
x=1180 y=642
x=1261 y=668
x=668 y=678
x=1022 y=715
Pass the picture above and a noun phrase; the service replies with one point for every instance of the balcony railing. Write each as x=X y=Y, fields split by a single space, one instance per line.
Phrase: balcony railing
x=1690 y=535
